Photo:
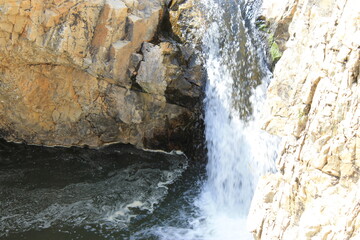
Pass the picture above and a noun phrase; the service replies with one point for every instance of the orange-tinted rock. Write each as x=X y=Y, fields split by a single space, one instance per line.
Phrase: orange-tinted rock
x=68 y=70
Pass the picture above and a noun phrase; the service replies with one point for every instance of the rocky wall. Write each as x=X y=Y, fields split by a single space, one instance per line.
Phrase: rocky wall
x=90 y=73
x=313 y=103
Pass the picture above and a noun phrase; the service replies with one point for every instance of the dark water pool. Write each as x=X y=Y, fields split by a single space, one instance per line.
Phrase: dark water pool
x=117 y=192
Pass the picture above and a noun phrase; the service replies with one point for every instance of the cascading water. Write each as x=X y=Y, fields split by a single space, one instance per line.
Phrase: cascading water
x=238 y=151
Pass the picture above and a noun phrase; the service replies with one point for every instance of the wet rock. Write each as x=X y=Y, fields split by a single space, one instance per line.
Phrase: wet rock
x=273 y=25
x=186 y=21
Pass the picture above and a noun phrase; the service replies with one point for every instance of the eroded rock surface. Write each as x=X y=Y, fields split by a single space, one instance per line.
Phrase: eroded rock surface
x=75 y=72
x=313 y=102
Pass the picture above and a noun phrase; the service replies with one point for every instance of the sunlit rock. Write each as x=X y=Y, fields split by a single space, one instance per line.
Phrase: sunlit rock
x=63 y=62
x=313 y=102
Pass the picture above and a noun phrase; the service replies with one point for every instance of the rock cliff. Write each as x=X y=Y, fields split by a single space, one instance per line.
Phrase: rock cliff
x=76 y=72
x=313 y=103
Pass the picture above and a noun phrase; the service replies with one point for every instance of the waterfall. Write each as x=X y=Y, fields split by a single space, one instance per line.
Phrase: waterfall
x=238 y=151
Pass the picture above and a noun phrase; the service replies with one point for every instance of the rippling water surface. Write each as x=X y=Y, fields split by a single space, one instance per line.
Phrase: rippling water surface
x=59 y=193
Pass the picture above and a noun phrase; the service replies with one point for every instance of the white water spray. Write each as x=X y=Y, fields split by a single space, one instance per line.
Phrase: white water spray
x=238 y=151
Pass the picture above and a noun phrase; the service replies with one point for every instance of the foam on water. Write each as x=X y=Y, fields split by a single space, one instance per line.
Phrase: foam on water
x=76 y=189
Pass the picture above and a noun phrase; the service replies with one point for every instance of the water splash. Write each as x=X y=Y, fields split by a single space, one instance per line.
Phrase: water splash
x=239 y=152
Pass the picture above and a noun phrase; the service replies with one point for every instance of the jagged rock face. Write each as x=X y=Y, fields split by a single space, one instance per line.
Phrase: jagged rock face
x=186 y=20
x=75 y=72
x=313 y=102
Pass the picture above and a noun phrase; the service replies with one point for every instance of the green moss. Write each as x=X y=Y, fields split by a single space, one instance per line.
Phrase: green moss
x=271 y=39
x=262 y=24
x=275 y=52
x=264 y=27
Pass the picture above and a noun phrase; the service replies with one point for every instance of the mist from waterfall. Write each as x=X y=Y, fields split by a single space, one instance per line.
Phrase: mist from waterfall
x=239 y=152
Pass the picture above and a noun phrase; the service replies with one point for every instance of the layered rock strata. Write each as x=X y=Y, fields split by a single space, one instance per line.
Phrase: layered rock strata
x=76 y=72
x=314 y=104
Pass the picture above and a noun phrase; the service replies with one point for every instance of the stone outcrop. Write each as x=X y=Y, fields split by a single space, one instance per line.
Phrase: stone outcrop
x=314 y=104
x=186 y=21
x=76 y=72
